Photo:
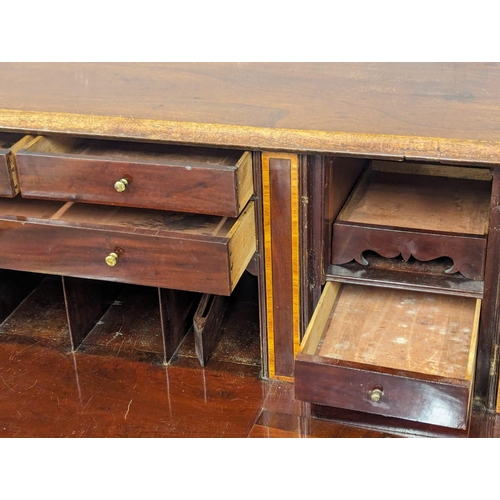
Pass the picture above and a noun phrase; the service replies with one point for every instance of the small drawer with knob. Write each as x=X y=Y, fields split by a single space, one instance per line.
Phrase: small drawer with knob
x=397 y=353
x=192 y=252
x=143 y=175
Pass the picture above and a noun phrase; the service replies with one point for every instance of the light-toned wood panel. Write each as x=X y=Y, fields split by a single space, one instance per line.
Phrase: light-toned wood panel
x=244 y=178
x=404 y=330
x=243 y=243
x=420 y=202
x=58 y=145
x=11 y=161
x=295 y=241
x=473 y=343
x=478 y=174
x=319 y=320
x=268 y=263
x=396 y=147
x=498 y=399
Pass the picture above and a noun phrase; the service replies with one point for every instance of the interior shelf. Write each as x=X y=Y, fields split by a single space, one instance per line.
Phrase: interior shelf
x=426 y=212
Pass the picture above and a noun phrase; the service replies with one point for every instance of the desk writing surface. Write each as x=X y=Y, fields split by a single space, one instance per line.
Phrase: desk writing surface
x=444 y=111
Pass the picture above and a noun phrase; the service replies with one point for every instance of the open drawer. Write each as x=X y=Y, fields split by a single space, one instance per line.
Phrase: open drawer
x=423 y=211
x=199 y=253
x=142 y=175
x=397 y=353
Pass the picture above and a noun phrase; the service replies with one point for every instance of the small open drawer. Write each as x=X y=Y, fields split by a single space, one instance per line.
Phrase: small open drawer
x=128 y=174
x=9 y=145
x=397 y=353
x=192 y=252
x=424 y=211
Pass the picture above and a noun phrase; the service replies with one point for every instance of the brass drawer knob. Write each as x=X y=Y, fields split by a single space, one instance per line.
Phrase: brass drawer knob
x=121 y=185
x=376 y=395
x=112 y=259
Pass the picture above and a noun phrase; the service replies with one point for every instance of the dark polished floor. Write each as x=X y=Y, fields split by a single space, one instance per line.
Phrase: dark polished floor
x=116 y=386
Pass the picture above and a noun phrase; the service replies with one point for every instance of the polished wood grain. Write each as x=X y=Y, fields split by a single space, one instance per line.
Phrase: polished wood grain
x=199 y=180
x=417 y=349
x=413 y=110
x=277 y=224
x=114 y=388
x=394 y=427
x=190 y=252
x=468 y=142
x=283 y=425
x=94 y=396
x=114 y=385
x=281 y=239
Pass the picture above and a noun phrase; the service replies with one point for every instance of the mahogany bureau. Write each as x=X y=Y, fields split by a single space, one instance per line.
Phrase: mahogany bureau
x=364 y=197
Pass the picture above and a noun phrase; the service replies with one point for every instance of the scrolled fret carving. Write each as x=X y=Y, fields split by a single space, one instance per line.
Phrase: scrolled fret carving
x=350 y=241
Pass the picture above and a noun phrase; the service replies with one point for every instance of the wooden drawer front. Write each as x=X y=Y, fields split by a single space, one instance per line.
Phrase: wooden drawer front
x=401 y=354
x=9 y=144
x=194 y=180
x=188 y=252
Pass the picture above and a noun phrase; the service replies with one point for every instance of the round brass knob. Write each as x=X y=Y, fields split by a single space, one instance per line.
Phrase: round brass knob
x=111 y=259
x=376 y=395
x=121 y=185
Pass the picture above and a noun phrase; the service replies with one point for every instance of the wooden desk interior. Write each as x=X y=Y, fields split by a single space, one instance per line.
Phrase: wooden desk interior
x=301 y=124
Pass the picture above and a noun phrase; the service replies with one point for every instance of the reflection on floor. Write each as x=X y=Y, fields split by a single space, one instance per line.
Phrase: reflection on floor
x=116 y=386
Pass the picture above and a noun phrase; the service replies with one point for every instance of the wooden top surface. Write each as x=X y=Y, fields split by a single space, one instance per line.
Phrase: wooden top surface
x=446 y=111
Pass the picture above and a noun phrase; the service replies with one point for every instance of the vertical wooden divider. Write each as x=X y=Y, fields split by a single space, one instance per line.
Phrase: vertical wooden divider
x=486 y=380
x=207 y=323
x=280 y=201
x=312 y=196
x=177 y=309
x=259 y=268
x=15 y=286
x=86 y=302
